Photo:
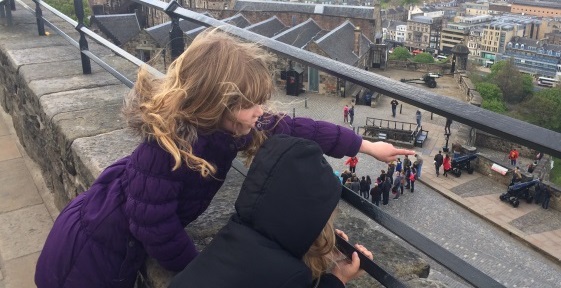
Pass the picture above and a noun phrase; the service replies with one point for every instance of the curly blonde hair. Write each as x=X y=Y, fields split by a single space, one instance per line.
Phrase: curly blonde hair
x=320 y=256
x=216 y=76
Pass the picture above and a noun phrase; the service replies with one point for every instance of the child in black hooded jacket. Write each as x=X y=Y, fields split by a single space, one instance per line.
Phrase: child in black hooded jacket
x=282 y=233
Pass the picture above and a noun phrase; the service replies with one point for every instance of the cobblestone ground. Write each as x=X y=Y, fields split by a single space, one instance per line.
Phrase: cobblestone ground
x=471 y=238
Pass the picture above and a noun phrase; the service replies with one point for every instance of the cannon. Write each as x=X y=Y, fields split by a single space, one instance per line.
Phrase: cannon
x=428 y=79
x=462 y=162
x=519 y=191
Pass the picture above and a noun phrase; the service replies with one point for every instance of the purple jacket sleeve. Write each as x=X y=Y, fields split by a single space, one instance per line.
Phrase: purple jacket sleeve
x=151 y=208
x=335 y=141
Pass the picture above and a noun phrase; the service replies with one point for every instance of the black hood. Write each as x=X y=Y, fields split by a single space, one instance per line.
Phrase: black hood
x=289 y=193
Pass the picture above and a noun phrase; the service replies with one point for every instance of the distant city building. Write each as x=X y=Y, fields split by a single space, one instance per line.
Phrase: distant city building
x=423 y=33
x=537 y=8
x=476 y=9
x=533 y=57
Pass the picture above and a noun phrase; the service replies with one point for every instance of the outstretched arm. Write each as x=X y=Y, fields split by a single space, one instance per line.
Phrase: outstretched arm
x=383 y=151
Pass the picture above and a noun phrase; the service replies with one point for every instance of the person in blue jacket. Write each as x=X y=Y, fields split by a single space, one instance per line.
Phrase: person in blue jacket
x=281 y=234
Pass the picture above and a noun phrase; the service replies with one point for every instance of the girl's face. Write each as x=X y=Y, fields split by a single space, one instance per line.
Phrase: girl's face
x=245 y=120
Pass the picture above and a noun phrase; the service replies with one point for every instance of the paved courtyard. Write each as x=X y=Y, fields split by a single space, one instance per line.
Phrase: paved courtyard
x=475 y=225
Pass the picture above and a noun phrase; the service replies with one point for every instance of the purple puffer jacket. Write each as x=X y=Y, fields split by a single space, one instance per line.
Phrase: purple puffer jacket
x=139 y=207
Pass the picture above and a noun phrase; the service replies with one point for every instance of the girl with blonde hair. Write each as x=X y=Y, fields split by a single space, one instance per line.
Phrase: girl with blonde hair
x=282 y=232
x=192 y=123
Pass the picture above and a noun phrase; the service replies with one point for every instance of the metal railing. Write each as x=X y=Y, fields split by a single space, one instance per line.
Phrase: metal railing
x=511 y=129
x=6 y=7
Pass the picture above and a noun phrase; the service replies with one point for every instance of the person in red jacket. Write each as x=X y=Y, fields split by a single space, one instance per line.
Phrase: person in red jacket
x=447 y=165
x=352 y=163
x=513 y=156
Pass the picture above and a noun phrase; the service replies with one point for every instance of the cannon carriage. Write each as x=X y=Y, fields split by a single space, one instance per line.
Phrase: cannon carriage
x=519 y=191
x=462 y=163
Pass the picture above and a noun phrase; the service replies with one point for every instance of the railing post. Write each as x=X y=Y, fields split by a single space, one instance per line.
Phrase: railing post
x=293 y=113
x=39 y=16
x=175 y=34
x=79 y=10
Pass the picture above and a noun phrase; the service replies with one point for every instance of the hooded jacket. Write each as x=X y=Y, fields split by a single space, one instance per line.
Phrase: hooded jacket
x=284 y=203
x=139 y=207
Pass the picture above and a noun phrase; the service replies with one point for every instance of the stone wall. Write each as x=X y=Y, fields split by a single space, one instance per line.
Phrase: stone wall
x=483 y=165
x=422 y=67
x=70 y=125
x=484 y=139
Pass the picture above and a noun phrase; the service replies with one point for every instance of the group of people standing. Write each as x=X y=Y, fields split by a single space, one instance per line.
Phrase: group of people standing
x=349 y=114
x=397 y=177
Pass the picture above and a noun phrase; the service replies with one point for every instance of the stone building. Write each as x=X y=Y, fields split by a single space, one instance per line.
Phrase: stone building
x=533 y=57
x=537 y=8
x=495 y=37
x=423 y=33
x=394 y=32
x=345 y=44
x=451 y=36
x=476 y=9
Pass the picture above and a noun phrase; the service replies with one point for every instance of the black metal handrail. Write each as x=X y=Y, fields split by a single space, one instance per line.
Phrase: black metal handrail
x=515 y=130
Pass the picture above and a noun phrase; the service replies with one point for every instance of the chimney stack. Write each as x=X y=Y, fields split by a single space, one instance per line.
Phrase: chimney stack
x=357 y=33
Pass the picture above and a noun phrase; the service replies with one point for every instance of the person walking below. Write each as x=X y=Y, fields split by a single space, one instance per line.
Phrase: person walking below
x=391 y=170
x=546 y=196
x=352 y=161
x=513 y=156
x=352 y=115
x=438 y=160
x=346 y=114
x=447 y=164
x=516 y=176
x=386 y=187
x=394 y=107
x=447 y=126
x=355 y=184
x=397 y=186
x=418 y=117
x=398 y=165
x=376 y=194
x=412 y=178
x=364 y=187
x=407 y=173
x=406 y=162
x=419 y=161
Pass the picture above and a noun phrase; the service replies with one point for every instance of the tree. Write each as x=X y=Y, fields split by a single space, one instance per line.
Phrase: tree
x=423 y=58
x=67 y=8
x=516 y=87
x=543 y=109
x=400 y=53
x=492 y=97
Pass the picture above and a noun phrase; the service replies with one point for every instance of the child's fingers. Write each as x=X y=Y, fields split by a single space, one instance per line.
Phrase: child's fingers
x=355 y=262
x=342 y=234
x=364 y=251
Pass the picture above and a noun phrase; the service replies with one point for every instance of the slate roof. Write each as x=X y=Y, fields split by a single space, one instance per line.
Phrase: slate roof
x=237 y=20
x=300 y=35
x=273 y=6
x=120 y=28
x=268 y=28
x=339 y=44
x=364 y=12
x=160 y=33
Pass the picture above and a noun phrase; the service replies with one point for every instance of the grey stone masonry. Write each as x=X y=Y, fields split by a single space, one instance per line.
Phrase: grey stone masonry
x=70 y=125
